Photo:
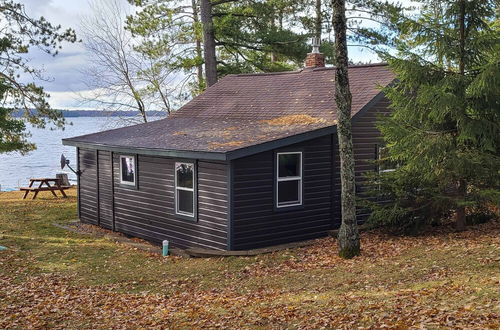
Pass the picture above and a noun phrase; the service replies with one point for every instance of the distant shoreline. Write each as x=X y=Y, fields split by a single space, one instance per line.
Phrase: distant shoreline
x=17 y=169
x=100 y=113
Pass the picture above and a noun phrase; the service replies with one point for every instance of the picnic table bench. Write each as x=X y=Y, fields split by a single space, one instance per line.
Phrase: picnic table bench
x=48 y=187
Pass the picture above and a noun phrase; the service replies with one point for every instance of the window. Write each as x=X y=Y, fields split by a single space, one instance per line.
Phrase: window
x=384 y=165
x=127 y=170
x=289 y=179
x=184 y=189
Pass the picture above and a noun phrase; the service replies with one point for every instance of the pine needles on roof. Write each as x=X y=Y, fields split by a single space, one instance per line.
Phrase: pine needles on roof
x=294 y=120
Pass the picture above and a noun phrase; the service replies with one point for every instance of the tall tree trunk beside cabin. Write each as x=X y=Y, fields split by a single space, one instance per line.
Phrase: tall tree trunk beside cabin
x=460 y=217
x=348 y=237
x=198 y=41
x=318 y=24
x=208 y=42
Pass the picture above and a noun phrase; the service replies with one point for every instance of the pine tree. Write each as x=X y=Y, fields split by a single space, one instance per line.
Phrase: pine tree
x=165 y=27
x=20 y=33
x=237 y=37
x=445 y=129
x=209 y=45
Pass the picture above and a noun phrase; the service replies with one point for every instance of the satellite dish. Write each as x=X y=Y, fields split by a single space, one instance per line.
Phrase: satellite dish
x=65 y=162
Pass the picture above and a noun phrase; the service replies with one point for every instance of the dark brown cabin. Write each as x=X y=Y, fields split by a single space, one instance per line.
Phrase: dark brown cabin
x=252 y=162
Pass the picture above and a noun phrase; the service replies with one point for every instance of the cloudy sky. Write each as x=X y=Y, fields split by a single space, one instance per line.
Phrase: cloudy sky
x=63 y=71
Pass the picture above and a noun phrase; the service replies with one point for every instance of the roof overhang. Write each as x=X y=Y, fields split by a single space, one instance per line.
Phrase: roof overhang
x=208 y=155
x=280 y=143
x=368 y=106
x=147 y=151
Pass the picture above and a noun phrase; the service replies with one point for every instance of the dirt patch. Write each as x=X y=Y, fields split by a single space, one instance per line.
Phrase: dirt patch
x=99 y=232
x=86 y=229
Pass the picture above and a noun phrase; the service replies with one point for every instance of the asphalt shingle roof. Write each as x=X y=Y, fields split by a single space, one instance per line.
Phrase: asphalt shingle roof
x=249 y=109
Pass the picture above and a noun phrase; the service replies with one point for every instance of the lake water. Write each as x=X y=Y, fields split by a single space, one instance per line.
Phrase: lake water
x=16 y=169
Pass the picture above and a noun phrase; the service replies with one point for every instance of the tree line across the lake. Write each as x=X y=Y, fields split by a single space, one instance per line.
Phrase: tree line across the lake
x=441 y=142
x=95 y=113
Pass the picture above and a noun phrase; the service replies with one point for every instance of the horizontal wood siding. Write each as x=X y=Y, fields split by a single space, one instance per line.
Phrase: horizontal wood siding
x=255 y=221
x=87 y=163
x=336 y=184
x=105 y=189
x=366 y=137
x=148 y=211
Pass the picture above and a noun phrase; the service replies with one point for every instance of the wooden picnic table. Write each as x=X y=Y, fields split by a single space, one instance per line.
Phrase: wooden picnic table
x=48 y=187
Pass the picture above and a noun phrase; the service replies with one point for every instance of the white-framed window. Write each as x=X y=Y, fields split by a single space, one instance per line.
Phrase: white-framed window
x=288 y=179
x=384 y=165
x=185 y=184
x=127 y=170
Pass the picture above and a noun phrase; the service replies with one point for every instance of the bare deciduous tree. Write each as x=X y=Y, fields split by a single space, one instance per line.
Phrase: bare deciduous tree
x=118 y=76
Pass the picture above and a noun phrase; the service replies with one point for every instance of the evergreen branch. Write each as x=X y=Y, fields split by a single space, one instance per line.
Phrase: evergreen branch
x=234 y=44
x=220 y=2
x=220 y=14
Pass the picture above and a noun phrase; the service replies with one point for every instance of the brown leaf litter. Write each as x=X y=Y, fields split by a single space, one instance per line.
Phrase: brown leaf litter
x=384 y=288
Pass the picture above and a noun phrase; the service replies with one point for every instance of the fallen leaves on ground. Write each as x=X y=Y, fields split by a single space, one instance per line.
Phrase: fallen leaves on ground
x=442 y=279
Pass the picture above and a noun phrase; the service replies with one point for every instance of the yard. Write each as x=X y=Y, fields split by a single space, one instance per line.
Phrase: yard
x=50 y=277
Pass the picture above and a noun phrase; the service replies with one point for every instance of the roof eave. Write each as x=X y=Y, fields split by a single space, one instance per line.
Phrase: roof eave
x=375 y=100
x=279 y=143
x=208 y=155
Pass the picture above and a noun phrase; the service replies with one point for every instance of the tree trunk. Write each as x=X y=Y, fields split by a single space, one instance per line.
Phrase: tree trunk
x=319 y=20
x=163 y=97
x=348 y=238
x=199 y=52
x=461 y=23
x=208 y=42
x=273 y=25
x=138 y=100
x=460 y=219
x=142 y=109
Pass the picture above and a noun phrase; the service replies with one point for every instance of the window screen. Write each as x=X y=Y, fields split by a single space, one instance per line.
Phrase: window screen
x=289 y=179
x=385 y=165
x=184 y=189
x=127 y=170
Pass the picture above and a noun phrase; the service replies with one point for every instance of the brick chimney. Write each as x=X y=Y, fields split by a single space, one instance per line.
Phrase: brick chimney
x=315 y=59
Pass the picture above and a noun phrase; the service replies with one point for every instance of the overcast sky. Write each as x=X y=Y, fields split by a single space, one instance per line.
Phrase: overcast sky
x=63 y=70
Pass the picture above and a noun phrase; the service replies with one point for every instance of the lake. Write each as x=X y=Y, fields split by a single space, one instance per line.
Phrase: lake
x=16 y=169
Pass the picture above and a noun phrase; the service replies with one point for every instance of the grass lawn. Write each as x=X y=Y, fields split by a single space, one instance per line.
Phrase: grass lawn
x=50 y=277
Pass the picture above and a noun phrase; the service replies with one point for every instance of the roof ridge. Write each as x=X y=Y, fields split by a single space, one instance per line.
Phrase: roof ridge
x=355 y=66
x=266 y=73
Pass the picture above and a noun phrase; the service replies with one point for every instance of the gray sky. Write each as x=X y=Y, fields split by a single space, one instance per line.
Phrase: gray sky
x=62 y=70
x=65 y=80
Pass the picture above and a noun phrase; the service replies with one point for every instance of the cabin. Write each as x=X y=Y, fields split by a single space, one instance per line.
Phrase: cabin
x=252 y=162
